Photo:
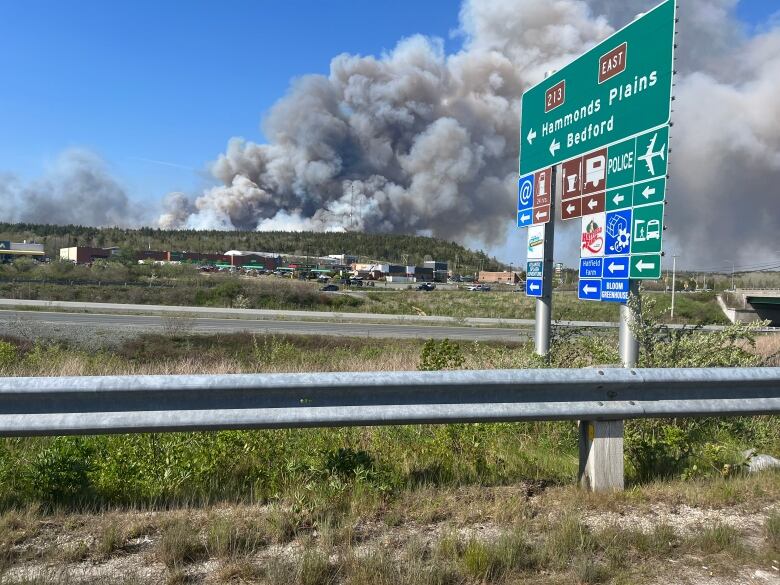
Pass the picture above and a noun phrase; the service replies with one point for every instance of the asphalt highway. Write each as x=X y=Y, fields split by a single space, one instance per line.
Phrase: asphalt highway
x=153 y=323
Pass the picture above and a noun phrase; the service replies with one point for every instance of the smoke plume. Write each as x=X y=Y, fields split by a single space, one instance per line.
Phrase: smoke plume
x=420 y=141
x=77 y=189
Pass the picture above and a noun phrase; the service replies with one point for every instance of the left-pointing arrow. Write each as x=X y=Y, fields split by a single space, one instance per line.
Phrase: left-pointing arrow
x=648 y=191
x=587 y=289
x=554 y=147
x=540 y=214
x=531 y=136
x=641 y=265
x=525 y=217
x=533 y=286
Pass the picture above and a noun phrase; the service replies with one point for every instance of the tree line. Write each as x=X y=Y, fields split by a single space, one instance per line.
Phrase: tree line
x=395 y=248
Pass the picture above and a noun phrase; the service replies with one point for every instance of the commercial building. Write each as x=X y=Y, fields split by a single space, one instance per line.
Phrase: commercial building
x=440 y=270
x=266 y=260
x=11 y=250
x=505 y=277
x=86 y=254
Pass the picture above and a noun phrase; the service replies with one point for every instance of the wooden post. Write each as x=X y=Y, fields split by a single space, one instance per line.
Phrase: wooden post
x=601 y=455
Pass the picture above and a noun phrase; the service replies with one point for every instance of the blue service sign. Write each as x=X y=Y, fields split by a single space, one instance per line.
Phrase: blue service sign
x=591 y=267
x=614 y=290
x=525 y=192
x=618 y=228
x=525 y=217
x=589 y=290
x=616 y=267
x=533 y=287
x=534 y=269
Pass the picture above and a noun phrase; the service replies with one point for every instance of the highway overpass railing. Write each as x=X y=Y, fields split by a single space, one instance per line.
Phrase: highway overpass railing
x=599 y=398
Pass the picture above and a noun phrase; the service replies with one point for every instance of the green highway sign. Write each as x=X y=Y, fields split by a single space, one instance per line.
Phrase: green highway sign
x=651 y=154
x=620 y=198
x=647 y=228
x=650 y=192
x=645 y=267
x=617 y=90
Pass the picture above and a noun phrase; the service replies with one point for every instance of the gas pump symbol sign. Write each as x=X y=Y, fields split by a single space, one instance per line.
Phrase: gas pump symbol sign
x=542 y=187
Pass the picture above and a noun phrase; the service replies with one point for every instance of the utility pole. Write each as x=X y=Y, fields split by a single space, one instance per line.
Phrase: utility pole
x=674 y=277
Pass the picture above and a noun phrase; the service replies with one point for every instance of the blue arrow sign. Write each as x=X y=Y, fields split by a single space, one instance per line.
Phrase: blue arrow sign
x=616 y=267
x=589 y=290
x=525 y=193
x=591 y=267
x=533 y=287
x=614 y=290
x=525 y=217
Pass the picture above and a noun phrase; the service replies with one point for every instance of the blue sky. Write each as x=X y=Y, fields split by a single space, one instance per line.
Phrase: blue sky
x=155 y=80
x=173 y=81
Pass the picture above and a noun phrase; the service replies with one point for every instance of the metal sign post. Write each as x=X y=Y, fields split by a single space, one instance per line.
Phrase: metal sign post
x=543 y=323
x=628 y=343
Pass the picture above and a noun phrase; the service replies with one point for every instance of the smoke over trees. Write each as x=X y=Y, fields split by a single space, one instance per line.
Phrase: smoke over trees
x=420 y=141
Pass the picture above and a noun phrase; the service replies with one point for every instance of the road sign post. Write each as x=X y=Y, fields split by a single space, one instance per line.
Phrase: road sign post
x=543 y=324
x=628 y=344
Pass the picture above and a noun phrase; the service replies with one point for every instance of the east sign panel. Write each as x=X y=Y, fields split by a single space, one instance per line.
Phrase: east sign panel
x=619 y=89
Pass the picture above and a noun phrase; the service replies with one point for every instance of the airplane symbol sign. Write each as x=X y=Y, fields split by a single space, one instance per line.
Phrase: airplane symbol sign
x=651 y=154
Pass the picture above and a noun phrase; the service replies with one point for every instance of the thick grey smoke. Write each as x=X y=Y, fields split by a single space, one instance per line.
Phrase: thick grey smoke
x=412 y=141
x=420 y=141
x=78 y=189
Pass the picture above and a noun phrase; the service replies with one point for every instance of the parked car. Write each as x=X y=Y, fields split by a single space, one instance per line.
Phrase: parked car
x=329 y=288
x=356 y=282
x=479 y=287
x=426 y=286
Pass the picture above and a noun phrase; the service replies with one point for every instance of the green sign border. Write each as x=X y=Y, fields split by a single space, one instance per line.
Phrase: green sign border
x=593 y=55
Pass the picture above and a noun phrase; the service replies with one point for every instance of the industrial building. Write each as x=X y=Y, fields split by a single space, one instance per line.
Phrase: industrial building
x=11 y=250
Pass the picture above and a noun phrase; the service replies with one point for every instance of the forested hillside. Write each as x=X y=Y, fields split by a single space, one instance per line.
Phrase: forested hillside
x=392 y=247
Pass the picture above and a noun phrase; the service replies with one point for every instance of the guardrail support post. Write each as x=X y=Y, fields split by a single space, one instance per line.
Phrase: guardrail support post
x=601 y=455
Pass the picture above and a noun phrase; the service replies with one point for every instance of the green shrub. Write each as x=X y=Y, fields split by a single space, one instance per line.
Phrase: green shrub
x=440 y=355
x=690 y=347
x=60 y=472
x=8 y=354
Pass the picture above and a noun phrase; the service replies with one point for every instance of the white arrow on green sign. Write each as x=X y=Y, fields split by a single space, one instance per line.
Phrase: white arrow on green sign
x=645 y=267
x=619 y=89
